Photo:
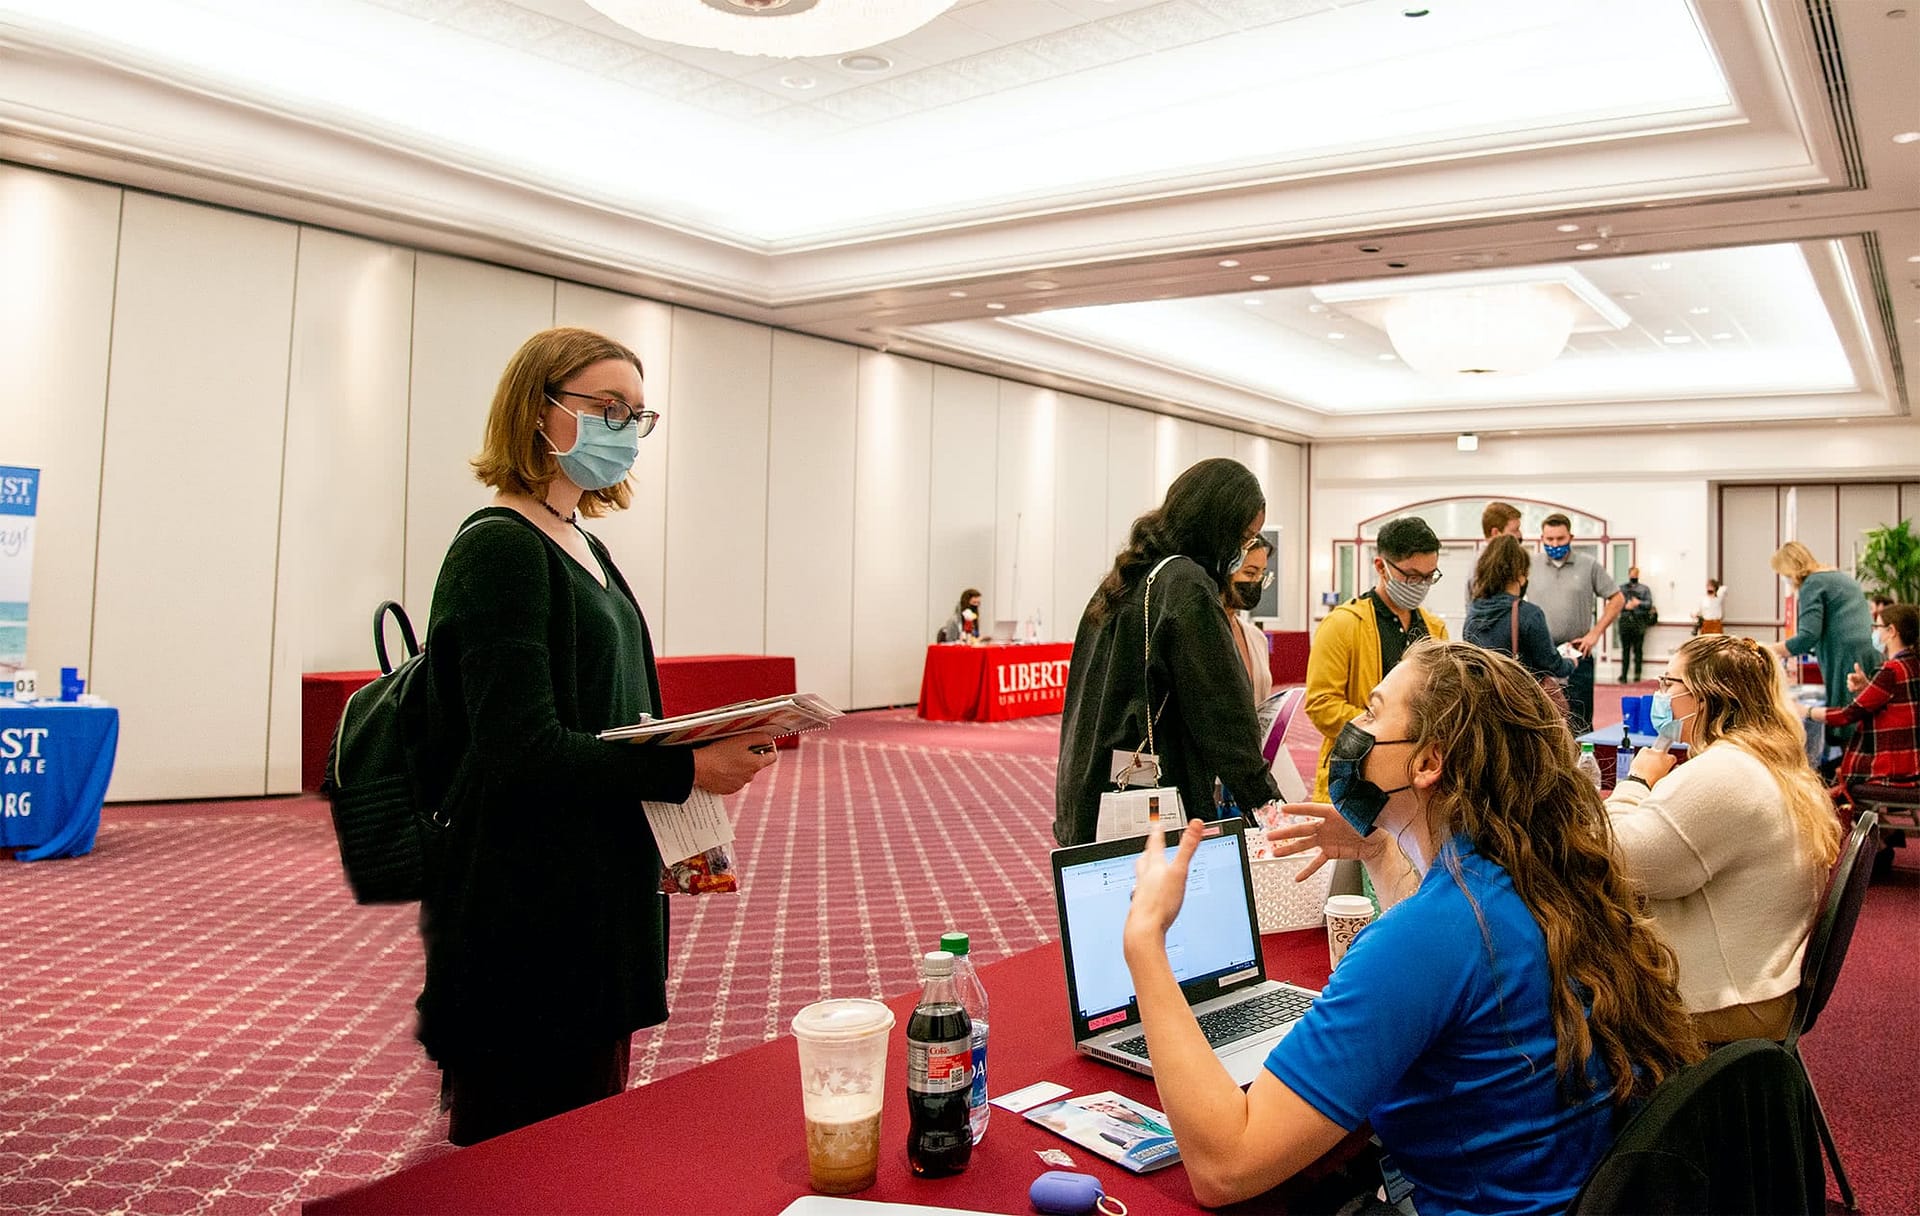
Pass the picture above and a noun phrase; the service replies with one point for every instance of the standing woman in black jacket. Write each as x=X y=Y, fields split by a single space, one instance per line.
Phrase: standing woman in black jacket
x=1205 y=725
x=545 y=932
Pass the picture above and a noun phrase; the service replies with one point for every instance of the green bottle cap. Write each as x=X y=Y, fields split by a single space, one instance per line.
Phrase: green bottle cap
x=954 y=943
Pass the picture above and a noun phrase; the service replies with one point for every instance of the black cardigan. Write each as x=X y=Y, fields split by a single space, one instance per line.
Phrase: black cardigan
x=543 y=920
x=1207 y=729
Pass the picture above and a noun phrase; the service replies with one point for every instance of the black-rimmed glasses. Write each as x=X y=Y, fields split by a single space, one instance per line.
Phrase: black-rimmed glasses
x=1416 y=579
x=617 y=413
x=1668 y=683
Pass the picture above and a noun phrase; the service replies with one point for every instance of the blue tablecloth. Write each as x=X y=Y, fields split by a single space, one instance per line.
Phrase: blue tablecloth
x=55 y=761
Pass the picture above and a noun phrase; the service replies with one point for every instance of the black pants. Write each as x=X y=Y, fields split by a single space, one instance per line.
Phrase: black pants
x=1633 y=645
x=521 y=1085
x=1580 y=696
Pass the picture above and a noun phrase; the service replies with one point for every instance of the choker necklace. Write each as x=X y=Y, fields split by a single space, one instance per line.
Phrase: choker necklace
x=573 y=519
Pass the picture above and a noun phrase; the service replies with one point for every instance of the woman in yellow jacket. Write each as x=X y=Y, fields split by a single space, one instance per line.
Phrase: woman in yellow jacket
x=1362 y=639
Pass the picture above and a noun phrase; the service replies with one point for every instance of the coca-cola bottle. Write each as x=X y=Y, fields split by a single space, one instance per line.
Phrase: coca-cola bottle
x=939 y=1075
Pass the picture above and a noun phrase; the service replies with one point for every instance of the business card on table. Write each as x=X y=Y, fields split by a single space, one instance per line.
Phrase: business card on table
x=1032 y=1095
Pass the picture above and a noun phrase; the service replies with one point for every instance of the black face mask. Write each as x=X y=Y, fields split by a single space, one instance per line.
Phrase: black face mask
x=1246 y=595
x=1358 y=800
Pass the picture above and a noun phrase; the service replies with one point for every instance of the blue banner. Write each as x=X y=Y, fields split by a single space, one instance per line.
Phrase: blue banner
x=55 y=763
x=19 y=500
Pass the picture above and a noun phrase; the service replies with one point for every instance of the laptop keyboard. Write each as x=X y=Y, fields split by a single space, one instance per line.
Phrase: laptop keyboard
x=1236 y=1022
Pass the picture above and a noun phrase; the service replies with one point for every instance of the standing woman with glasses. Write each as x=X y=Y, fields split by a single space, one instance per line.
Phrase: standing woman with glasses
x=1731 y=848
x=1201 y=700
x=544 y=928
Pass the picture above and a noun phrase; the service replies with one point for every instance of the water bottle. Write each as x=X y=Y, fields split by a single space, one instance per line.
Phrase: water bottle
x=939 y=1075
x=973 y=998
x=1623 y=759
x=1589 y=765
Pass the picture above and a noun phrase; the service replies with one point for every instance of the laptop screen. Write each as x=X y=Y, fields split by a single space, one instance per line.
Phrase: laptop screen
x=1212 y=939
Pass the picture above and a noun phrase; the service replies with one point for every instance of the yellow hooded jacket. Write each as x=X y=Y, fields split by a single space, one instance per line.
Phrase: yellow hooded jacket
x=1342 y=670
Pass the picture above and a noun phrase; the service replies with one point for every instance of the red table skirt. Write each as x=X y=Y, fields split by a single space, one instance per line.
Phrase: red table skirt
x=729 y=1136
x=687 y=684
x=690 y=683
x=1287 y=656
x=323 y=698
x=992 y=683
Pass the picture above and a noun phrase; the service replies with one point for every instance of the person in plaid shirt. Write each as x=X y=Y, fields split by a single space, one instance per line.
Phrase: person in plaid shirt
x=1886 y=750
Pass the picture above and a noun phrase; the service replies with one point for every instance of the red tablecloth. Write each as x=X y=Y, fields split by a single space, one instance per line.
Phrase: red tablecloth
x=1287 y=656
x=993 y=683
x=728 y=1136
x=690 y=683
x=323 y=698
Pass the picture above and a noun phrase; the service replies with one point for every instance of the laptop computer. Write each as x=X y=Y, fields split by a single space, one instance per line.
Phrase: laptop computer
x=1214 y=945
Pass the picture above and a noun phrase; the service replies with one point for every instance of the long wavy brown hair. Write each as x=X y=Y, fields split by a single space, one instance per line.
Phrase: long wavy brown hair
x=1502 y=563
x=1508 y=784
x=1743 y=702
x=1206 y=514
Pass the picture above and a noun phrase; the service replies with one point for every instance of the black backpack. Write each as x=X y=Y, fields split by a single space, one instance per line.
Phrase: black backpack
x=389 y=773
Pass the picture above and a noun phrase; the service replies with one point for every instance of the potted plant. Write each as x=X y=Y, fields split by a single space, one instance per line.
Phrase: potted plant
x=1891 y=562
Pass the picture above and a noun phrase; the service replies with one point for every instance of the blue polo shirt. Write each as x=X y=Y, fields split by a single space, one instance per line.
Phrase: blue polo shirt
x=1446 y=1047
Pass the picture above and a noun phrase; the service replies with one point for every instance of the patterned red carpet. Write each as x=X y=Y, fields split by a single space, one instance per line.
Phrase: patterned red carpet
x=197 y=1019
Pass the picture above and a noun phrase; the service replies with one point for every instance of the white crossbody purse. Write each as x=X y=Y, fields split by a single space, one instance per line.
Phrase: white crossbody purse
x=1132 y=807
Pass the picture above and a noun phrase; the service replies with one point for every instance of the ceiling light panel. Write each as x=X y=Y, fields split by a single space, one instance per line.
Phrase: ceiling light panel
x=1623 y=349
x=1166 y=94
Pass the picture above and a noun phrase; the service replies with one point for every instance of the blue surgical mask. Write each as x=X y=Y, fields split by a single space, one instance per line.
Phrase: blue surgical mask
x=1660 y=713
x=599 y=458
x=1358 y=800
x=1879 y=642
x=1556 y=553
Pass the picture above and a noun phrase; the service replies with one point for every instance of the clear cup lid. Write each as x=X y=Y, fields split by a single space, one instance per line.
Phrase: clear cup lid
x=851 y=1018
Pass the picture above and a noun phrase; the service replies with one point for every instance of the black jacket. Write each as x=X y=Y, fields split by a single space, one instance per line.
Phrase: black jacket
x=1207 y=728
x=543 y=920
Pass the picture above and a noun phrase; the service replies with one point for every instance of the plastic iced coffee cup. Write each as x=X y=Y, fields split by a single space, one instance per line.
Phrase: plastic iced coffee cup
x=843 y=1080
x=1346 y=916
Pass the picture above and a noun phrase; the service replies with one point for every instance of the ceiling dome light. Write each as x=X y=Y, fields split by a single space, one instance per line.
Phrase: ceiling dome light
x=1500 y=328
x=782 y=29
x=1466 y=442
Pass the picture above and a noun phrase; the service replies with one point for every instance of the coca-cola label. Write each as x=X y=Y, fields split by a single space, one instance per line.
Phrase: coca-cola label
x=940 y=1068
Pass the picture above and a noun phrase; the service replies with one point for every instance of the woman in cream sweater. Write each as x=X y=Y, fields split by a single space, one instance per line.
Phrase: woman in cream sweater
x=1732 y=849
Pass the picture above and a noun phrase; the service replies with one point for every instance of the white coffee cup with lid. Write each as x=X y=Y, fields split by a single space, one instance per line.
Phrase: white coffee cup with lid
x=1346 y=916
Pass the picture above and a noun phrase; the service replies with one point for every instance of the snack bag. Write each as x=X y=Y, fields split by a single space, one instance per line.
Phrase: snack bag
x=708 y=873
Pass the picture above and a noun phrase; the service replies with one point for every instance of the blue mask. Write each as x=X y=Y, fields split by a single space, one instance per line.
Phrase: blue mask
x=1556 y=553
x=599 y=457
x=1879 y=643
x=1660 y=713
x=1358 y=800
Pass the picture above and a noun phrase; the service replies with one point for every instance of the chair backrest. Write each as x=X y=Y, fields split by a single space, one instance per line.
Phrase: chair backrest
x=1833 y=929
x=1278 y=713
x=1733 y=1133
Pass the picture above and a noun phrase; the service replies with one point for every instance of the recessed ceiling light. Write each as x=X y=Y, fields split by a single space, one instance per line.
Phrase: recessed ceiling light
x=1316 y=308
x=996 y=306
x=1907 y=137
x=1337 y=336
x=1229 y=263
x=1587 y=246
x=1912 y=257
x=1415 y=12
x=1721 y=337
x=1468 y=442
x=1699 y=310
x=798 y=82
x=865 y=61
x=1260 y=278
x=1676 y=339
x=1253 y=301
x=1369 y=248
x=1396 y=265
x=1040 y=284
x=1384 y=358
x=1660 y=266
x=1629 y=295
x=958 y=295
x=1566 y=227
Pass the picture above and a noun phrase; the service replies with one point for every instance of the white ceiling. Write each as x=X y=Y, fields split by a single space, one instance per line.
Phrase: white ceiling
x=1092 y=167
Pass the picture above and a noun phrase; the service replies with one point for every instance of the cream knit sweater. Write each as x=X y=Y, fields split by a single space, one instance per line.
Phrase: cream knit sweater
x=1729 y=887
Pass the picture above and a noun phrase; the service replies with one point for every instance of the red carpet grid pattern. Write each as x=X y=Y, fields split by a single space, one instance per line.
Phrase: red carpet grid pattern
x=197 y=1019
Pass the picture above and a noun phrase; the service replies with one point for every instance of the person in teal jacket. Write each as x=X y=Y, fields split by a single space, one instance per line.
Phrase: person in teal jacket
x=1833 y=621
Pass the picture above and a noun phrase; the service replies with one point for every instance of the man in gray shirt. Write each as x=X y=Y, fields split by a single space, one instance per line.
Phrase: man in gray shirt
x=1565 y=585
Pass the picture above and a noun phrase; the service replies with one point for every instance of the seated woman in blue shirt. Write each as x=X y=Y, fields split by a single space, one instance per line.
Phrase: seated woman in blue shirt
x=1493 y=1023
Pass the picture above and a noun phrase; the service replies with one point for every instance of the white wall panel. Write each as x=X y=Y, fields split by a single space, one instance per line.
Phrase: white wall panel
x=962 y=485
x=468 y=320
x=196 y=413
x=1277 y=465
x=637 y=536
x=1862 y=509
x=343 y=509
x=58 y=241
x=892 y=445
x=1133 y=484
x=1080 y=550
x=1809 y=515
x=717 y=486
x=1212 y=442
x=810 y=477
x=1749 y=534
x=1023 y=516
